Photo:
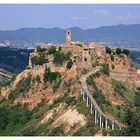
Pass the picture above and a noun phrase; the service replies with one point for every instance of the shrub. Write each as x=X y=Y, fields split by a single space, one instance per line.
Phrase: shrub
x=52 y=50
x=57 y=131
x=118 y=86
x=50 y=76
x=108 y=50
x=14 y=118
x=39 y=60
x=96 y=75
x=105 y=69
x=22 y=87
x=3 y=119
x=137 y=98
x=40 y=49
x=56 y=84
x=60 y=57
x=85 y=70
x=37 y=78
x=125 y=51
x=69 y=64
x=89 y=80
x=118 y=51
x=70 y=100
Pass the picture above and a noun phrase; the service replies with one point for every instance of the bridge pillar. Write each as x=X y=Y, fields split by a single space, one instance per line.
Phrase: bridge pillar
x=97 y=119
x=95 y=116
x=112 y=126
x=102 y=124
x=87 y=101
x=120 y=127
x=106 y=123
x=83 y=96
x=100 y=121
x=91 y=109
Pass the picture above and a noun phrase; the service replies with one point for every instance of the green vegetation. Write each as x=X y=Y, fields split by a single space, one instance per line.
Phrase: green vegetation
x=70 y=101
x=50 y=76
x=52 y=50
x=85 y=70
x=21 y=88
x=123 y=91
x=105 y=69
x=79 y=44
x=137 y=97
x=39 y=60
x=108 y=50
x=57 y=131
x=57 y=84
x=90 y=78
x=122 y=51
x=126 y=52
x=60 y=57
x=7 y=82
x=13 y=59
x=118 y=51
x=106 y=106
x=69 y=64
x=90 y=128
x=12 y=119
x=37 y=78
x=68 y=86
x=40 y=50
x=132 y=119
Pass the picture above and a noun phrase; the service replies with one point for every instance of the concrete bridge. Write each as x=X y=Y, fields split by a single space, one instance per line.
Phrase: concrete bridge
x=101 y=119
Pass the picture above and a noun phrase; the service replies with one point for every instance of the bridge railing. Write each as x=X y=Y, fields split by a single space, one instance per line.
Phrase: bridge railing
x=100 y=118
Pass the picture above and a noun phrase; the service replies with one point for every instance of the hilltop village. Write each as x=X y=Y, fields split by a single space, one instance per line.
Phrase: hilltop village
x=58 y=75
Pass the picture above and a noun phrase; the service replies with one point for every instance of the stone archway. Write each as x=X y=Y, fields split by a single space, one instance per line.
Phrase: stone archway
x=85 y=59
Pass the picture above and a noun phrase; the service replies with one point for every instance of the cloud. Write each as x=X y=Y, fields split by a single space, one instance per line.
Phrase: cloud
x=79 y=17
x=101 y=12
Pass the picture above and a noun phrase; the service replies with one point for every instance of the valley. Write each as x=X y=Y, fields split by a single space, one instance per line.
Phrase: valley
x=70 y=89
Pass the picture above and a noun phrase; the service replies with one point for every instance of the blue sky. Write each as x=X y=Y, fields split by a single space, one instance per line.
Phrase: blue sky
x=67 y=15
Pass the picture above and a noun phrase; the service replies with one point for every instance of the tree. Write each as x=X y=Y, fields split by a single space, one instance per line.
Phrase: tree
x=125 y=51
x=59 y=57
x=3 y=118
x=69 y=64
x=118 y=51
x=52 y=50
x=40 y=49
x=39 y=60
x=50 y=76
x=132 y=120
x=105 y=69
x=108 y=50
x=37 y=78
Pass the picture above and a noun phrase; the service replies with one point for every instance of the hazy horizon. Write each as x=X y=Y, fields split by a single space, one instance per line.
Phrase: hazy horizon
x=85 y=16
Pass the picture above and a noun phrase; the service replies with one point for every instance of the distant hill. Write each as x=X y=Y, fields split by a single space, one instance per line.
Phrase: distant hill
x=116 y=35
x=14 y=60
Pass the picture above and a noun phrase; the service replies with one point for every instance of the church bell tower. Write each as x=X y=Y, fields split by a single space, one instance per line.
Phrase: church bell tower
x=68 y=37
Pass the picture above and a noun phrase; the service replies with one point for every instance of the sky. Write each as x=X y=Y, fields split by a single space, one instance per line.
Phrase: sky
x=15 y=16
